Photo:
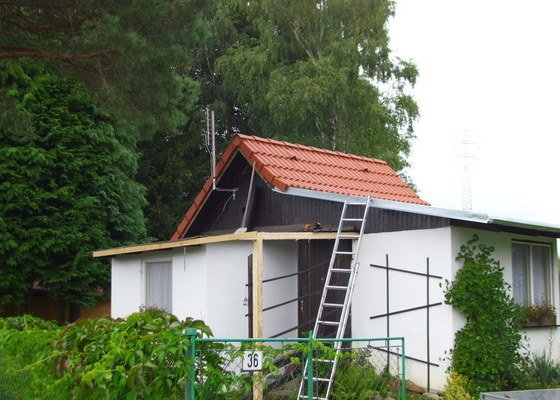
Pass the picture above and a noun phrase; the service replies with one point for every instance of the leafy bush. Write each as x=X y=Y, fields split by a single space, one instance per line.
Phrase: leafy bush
x=457 y=388
x=487 y=348
x=25 y=351
x=26 y=322
x=137 y=358
x=542 y=372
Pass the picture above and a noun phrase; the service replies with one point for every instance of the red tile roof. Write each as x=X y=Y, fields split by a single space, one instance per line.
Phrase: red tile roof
x=284 y=165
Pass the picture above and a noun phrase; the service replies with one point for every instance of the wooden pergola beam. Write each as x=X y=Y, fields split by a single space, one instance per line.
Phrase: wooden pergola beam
x=252 y=236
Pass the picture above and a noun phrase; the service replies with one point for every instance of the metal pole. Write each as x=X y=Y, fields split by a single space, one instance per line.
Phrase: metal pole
x=428 y=320
x=403 y=380
x=310 y=366
x=387 y=302
x=190 y=354
x=213 y=143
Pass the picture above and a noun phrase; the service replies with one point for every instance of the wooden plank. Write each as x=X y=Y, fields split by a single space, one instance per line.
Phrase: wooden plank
x=174 y=244
x=297 y=235
x=213 y=239
x=257 y=287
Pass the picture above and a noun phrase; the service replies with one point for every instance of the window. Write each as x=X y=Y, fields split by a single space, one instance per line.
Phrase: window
x=532 y=281
x=158 y=285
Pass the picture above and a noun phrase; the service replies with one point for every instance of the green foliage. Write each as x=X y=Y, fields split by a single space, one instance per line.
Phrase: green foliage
x=137 y=358
x=539 y=311
x=542 y=372
x=319 y=74
x=133 y=55
x=457 y=388
x=25 y=352
x=26 y=322
x=66 y=187
x=312 y=73
x=487 y=348
x=358 y=379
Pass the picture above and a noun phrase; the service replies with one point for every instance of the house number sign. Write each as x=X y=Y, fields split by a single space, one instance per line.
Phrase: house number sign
x=252 y=360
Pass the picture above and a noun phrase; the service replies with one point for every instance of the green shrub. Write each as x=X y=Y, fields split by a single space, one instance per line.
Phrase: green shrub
x=542 y=372
x=141 y=357
x=487 y=348
x=26 y=322
x=25 y=351
x=457 y=387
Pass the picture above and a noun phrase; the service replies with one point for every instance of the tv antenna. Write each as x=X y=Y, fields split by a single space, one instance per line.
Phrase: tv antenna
x=210 y=142
x=466 y=153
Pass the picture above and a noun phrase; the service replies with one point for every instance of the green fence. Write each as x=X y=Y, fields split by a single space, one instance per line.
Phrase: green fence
x=256 y=369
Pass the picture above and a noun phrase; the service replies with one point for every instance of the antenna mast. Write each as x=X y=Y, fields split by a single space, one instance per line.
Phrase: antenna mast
x=210 y=141
x=466 y=153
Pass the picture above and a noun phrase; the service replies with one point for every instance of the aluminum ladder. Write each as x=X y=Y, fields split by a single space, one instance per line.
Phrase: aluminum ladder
x=339 y=283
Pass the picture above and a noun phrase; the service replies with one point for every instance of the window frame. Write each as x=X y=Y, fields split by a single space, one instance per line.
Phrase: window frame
x=144 y=272
x=549 y=271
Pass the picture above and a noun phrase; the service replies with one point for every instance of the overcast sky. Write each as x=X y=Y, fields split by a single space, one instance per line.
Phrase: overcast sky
x=490 y=68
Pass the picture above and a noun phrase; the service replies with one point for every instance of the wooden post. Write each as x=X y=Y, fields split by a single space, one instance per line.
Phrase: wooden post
x=257 y=307
x=257 y=287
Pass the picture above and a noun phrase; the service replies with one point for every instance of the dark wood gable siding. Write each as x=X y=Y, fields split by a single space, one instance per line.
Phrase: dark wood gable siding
x=273 y=211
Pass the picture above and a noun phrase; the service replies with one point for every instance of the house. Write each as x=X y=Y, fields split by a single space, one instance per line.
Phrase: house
x=251 y=254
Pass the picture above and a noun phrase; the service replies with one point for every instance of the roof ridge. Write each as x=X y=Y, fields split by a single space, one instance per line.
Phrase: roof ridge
x=313 y=148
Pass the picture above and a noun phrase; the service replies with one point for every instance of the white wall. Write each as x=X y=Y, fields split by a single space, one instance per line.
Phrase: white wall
x=189 y=283
x=226 y=277
x=280 y=258
x=127 y=287
x=539 y=339
x=209 y=283
x=407 y=250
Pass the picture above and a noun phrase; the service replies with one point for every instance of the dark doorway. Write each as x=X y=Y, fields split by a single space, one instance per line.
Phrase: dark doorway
x=313 y=263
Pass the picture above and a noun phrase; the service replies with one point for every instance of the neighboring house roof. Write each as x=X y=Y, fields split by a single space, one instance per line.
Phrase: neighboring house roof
x=286 y=165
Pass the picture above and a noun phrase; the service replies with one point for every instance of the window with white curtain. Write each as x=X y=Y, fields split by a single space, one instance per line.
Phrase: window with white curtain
x=532 y=273
x=158 y=285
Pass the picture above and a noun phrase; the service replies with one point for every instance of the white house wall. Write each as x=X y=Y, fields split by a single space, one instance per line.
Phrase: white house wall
x=280 y=258
x=226 y=291
x=539 y=339
x=189 y=283
x=407 y=250
x=126 y=286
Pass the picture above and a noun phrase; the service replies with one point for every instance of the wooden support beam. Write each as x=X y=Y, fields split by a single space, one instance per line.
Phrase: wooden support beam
x=297 y=235
x=174 y=244
x=257 y=306
x=257 y=288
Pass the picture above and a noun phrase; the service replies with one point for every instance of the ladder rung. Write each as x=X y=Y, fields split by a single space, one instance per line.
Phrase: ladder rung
x=353 y=219
x=356 y=203
x=341 y=270
x=332 y=323
x=317 y=379
x=333 y=305
x=348 y=236
x=337 y=287
x=314 y=398
x=345 y=252
x=323 y=360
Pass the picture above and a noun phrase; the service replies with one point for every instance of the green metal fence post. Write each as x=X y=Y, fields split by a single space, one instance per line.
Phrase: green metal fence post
x=310 y=366
x=190 y=354
x=403 y=383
